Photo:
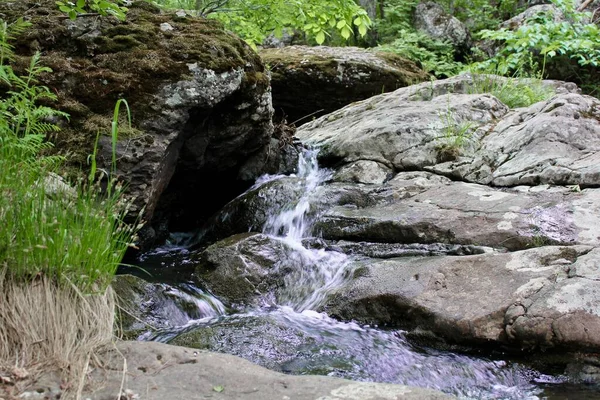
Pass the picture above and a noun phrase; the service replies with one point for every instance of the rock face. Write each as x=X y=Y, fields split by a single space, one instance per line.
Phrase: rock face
x=494 y=243
x=199 y=98
x=312 y=81
x=431 y=18
x=532 y=298
x=171 y=373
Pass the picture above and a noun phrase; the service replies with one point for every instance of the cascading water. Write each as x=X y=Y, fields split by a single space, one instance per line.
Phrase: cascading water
x=307 y=341
x=312 y=273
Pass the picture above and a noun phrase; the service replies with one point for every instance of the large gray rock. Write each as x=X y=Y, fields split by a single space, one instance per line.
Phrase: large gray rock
x=551 y=142
x=538 y=298
x=431 y=18
x=420 y=207
x=163 y=372
x=312 y=81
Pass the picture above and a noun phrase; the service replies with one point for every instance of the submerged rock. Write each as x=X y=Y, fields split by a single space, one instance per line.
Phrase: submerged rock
x=312 y=81
x=147 y=306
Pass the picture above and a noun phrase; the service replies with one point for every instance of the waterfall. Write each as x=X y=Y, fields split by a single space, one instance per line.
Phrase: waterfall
x=311 y=274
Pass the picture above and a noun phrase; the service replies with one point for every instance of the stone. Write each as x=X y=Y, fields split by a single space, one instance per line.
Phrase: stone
x=431 y=18
x=144 y=305
x=161 y=371
x=199 y=97
x=243 y=269
x=524 y=298
x=311 y=81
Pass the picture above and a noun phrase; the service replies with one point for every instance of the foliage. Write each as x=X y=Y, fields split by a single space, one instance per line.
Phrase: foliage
x=71 y=235
x=514 y=92
x=455 y=134
x=398 y=16
x=547 y=41
x=254 y=20
x=102 y=7
x=435 y=56
x=481 y=14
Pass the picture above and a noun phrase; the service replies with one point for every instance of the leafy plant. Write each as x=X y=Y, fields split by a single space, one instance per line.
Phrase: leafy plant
x=254 y=20
x=398 y=16
x=514 y=92
x=434 y=56
x=102 y=7
x=455 y=135
x=547 y=41
x=71 y=235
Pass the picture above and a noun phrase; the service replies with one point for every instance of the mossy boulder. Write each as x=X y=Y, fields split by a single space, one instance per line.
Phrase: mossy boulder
x=312 y=81
x=199 y=97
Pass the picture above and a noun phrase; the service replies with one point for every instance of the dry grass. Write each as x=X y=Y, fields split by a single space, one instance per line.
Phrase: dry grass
x=46 y=327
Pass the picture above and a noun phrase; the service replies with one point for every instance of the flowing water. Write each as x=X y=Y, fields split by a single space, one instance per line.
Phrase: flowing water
x=289 y=336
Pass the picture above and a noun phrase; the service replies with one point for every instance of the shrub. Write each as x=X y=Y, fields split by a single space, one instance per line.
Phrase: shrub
x=547 y=41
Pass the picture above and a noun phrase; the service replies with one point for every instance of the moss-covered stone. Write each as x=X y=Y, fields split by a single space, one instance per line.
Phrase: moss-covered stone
x=99 y=60
x=311 y=81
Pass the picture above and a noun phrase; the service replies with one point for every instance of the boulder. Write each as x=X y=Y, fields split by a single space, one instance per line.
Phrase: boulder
x=199 y=98
x=470 y=137
x=534 y=299
x=419 y=207
x=431 y=18
x=312 y=81
x=243 y=269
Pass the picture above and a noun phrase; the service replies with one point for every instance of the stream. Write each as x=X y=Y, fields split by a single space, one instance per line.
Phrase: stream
x=286 y=332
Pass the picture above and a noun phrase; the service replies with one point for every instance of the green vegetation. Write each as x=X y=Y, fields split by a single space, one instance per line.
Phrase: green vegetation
x=548 y=41
x=455 y=136
x=434 y=56
x=254 y=20
x=73 y=235
x=102 y=7
x=60 y=244
x=514 y=92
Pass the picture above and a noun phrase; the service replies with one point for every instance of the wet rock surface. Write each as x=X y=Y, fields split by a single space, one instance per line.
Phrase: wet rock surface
x=160 y=371
x=513 y=205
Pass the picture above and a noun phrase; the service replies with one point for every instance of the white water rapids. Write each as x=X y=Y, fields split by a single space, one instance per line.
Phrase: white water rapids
x=306 y=341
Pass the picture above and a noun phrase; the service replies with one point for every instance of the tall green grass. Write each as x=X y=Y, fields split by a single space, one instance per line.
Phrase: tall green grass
x=74 y=234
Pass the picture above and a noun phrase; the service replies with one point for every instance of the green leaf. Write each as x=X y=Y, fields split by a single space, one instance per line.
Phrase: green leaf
x=218 y=389
x=357 y=21
x=341 y=24
x=320 y=38
x=362 y=29
x=346 y=33
x=80 y=3
x=72 y=14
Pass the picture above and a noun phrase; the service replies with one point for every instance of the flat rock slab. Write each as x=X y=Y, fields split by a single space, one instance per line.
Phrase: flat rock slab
x=420 y=207
x=158 y=371
x=538 y=298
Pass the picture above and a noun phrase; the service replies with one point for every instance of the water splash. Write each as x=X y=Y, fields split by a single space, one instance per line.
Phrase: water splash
x=310 y=274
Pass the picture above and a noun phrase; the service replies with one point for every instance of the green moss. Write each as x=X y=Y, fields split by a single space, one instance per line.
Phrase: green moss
x=131 y=60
